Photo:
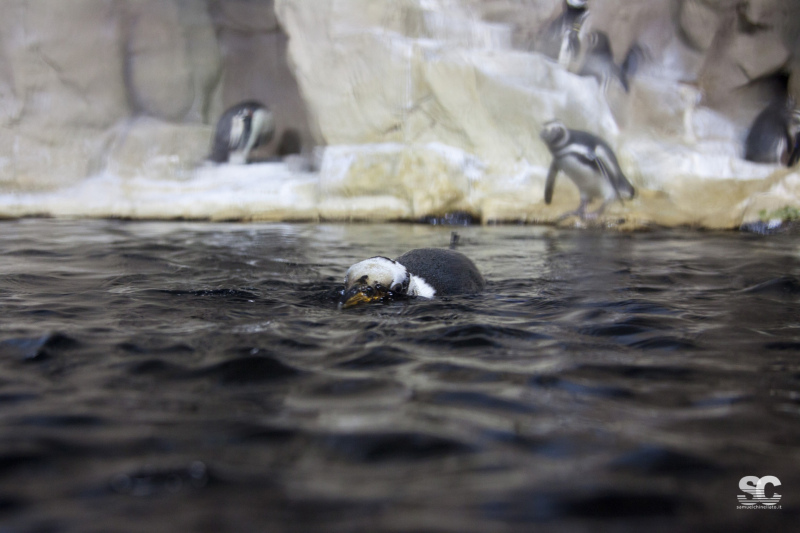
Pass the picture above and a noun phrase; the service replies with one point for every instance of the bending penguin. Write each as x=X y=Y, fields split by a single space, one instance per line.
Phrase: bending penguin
x=424 y=272
x=240 y=129
x=589 y=162
x=774 y=136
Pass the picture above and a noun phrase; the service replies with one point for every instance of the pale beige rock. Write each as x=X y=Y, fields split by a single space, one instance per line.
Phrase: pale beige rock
x=245 y=192
x=525 y=18
x=159 y=70
x=698 y=21
x=30 y=161
x=753 y=40
x=375 y=76
x=66 y=62
x=63 y=67
x=204 y=59
x=157 y=149
x=57 y=100
x=426 y=178
x=428 y=106
x=69 y=72
x=783 y=190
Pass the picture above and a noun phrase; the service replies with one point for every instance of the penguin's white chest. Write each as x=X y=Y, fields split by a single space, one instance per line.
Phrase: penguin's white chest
x=591 y=183
x=243 y=140
x=782 y=151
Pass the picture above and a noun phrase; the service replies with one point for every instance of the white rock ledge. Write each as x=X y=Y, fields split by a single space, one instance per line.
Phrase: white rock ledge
x=426 y=107
x=268 y=191
x=394 y=181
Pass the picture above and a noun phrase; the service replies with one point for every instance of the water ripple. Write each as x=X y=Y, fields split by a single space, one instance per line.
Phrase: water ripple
x=201 y=376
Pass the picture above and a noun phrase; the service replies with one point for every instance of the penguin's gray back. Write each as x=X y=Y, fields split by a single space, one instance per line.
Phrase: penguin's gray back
x=447 y=271
x=236 y=133
x=220 y=147
x=615 y=175
x=768 y=138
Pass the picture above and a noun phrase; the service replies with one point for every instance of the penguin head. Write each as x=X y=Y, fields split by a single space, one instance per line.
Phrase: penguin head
x=576 y=4
x=555 y=134
x=373 y=280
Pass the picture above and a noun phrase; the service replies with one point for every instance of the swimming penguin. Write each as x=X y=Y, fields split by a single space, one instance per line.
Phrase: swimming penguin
x=424 y=272
x=774 y=136
x=561 y=38
x=589 y=162
x=240 y=129
x=599 y=61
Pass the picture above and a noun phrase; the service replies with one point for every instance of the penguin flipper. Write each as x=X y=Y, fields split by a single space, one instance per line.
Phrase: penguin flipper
x=606 y=172
x=622 y=76
x=794 y=155
x=636 y=56
x=550 y=182
x=607 y=165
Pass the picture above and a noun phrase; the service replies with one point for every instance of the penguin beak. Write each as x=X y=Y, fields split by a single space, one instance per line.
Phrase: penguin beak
x=360 y=294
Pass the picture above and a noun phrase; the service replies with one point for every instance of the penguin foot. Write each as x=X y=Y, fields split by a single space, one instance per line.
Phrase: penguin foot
x=593 y=215
x=585 y=217
x=596 y=214
x=577 y=213
x=581 y=213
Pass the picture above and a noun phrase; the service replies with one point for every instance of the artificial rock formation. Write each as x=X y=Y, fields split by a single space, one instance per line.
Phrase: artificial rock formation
x=125 y=93
x=76 y=75
x=424 y=107
x=389 y=83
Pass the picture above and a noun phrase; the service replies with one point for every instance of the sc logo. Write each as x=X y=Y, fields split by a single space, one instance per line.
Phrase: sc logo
x=755 y=487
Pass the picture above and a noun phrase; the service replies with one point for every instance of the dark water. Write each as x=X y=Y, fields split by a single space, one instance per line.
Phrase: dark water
x=169 y=377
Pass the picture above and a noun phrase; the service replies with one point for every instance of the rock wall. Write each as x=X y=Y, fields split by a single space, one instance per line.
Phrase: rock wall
x=391 y=82
x=425 y=107
x=79 y=77
x=129 y=88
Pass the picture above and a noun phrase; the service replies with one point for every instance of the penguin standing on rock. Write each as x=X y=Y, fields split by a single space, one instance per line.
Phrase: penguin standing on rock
x=424 y=272
x=240 y=129
x=561 y=38
x=589 y=162
x=774 y=136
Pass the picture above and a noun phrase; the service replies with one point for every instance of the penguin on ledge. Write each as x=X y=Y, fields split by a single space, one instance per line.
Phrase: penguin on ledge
x=589 y=162
x=774 y=136
x=424 y=272
x=240 y=129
